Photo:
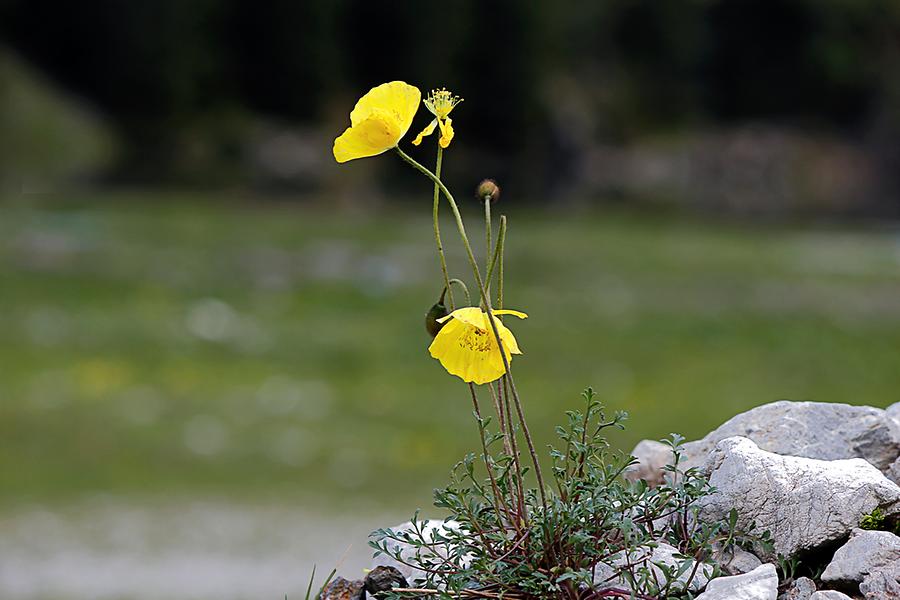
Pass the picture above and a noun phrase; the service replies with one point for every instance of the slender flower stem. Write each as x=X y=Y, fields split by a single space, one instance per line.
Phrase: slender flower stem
x=498 y=395
x=437 y=228
x=490 y=315
x=465 y=289
x=502 y=243
x=504 y=400
x=487 y=457
x=510 y=431
x=513 y=473
x=497 y=259
x=488 y=230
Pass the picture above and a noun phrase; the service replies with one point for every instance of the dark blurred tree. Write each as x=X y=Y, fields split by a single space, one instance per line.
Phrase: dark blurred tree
x=181 y=80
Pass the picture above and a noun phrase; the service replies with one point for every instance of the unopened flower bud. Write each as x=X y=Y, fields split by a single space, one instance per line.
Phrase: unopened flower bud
x=488 y=189
x=434 y=313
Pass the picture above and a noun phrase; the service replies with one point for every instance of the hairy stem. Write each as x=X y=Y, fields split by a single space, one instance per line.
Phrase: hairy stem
x=465 y=289
x=437 y=228
x=488 y=230
x=490 y=315
x=487 y=457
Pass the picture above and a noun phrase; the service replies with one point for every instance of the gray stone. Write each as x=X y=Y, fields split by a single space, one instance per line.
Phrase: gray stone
x=666 y=555
x=893 y=412
x=801 y=589
x=662 y=554
x=864 y=552
x=881 y=584
x=343 y=589
x=820 y=430
x=408 y=552
x=829 y=595
x=893 y=471
x=651 y=457
x=382 y=579
x=759 y=584
x=804 y=503
x=736 y=561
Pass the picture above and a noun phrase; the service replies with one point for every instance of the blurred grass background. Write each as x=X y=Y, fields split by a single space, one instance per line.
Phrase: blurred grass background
x=160 y=344
x=213 y=368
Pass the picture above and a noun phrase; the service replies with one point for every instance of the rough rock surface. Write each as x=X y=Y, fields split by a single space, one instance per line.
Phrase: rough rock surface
x=407 y=552
x=342 y=589
x=652 y=456
x=801 y=589
x=759 y=584
x=893 y=413
x=830 y=595
x=821 y=430
x=382 y=579
x=864 y=552
x=736 y=561
x=662 y=554
x=893 y=472
x=881 y=584
x=804 y=503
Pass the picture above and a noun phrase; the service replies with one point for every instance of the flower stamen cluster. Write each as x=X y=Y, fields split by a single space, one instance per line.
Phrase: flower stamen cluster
x=439 y=103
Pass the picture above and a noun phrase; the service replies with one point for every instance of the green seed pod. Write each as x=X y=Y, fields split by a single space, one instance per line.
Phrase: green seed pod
x=431 y=317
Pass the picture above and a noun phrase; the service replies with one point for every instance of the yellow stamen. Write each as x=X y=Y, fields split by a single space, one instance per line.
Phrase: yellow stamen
x=441 y=102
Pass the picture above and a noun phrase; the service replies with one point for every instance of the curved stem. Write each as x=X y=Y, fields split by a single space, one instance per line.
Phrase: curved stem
x=437 y=229
x=465 y=288
x=490 y=315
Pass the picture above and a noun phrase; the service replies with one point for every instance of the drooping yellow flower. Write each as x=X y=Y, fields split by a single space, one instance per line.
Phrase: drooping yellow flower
x=378 y=121
x=467 y=348
x=439 y=103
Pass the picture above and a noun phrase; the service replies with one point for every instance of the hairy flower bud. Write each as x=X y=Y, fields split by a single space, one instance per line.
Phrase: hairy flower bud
x=434 y=313
x=488 y=189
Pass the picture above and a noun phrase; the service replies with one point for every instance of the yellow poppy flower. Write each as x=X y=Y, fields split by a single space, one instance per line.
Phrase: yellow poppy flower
x=378 y=121
x=467 y=348
x=439 y=103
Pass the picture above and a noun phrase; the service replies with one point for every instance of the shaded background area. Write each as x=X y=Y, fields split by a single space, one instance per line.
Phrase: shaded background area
x=214 y=372
x=777 y=107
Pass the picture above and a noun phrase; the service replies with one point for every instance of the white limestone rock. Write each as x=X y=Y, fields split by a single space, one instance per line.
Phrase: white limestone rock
x=829 y=595
x=759 y=584
x=881 y=584
x=407 y=551
x=804 y=503
x=893 y=471
x=651 y=457
x=801 y=589
x=736 y=561
x=662 y=554
x=893 y=413
x=864 y=552
x=821 y=430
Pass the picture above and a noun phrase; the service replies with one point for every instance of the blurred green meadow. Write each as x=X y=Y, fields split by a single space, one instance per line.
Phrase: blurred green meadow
x=176 y=345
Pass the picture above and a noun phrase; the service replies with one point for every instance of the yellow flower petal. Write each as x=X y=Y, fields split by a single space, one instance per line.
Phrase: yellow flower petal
x=470 y=314
x=446 y=132
x=398 y=98
x=477 y=317
x=429 y=129
x=466 y=346
x=515 y=313
x=468 y=352
x=378 y=121
x=508 y=339
x=377 y=133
